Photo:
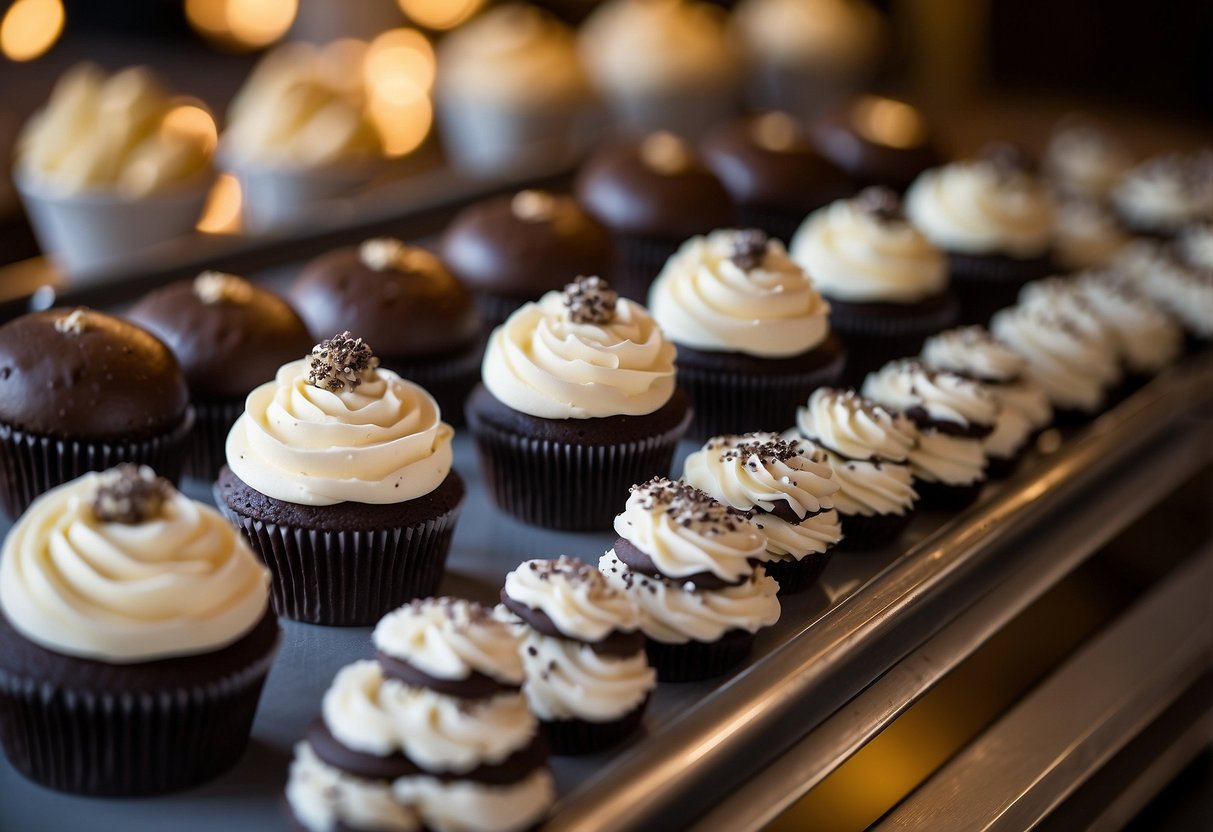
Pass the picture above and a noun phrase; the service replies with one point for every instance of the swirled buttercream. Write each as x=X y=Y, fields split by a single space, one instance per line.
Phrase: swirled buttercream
x=848 y=425
x=1148 y=338
x=463 y=805
x=871 y=488
x=449 y=638
x=179 y=583
x=1166 y=193
x=1060 y=295
x=569 y=680
x=1085 y=160
x=711 y=295
x=1088 y=235
x=325 y=799
x=575 y=596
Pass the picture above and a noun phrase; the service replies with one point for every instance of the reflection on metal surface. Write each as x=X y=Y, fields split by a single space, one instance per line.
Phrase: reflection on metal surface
x=440 y=14
x=222 y=212
x=247 y=24
x=888 y=122
x=30 y=27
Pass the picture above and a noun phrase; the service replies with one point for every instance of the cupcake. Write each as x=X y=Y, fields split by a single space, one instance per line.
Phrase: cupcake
x=1085 y=160
x=994 y=219
x=1074 y=367
x=805 y=54
x=229 y=336
x=868 y=448
x=587 y=678
x=82 y=391
x=339 y=473
x=886 y=284
x=404 y=300
x=1163 y=195
x=651 y=195
x=134 y=638
x=954 y=417
x=662 y=64
x=578 y=402
x=435 y=734
x=1178 y=278
x=1088 y=235
x=753 y=335
x=511 y=92
x=687 y=561
x=508 y=250
x=1147 y=339
x=772 y=172
x=787 y=488
x=972 y=352
x=105 y=170
x=877 y=141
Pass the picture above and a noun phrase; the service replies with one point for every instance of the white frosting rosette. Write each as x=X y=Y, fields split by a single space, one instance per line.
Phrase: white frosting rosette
x=1146 y=337
x=1164 y=194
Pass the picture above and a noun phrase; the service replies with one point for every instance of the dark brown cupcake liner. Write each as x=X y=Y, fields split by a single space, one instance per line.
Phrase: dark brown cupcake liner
x=985 y=284
x=781 y=225
x=1001 y=467
x=874 y=334
x=940 y=496
x=638 y=261
x=449 y=379
x=695 y=661
x=205 y=451
x=795 y=576
x=32 y=464
x=570 y=737
x=136 y=738
x=861 y=533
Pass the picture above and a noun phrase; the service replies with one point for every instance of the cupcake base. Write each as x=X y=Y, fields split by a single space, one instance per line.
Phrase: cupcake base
x=88 y=727
x=347 y=564
x=695 y=661
x=737 y=393
x=875 y=333
x=986 y=283
x=1001 y=467
x=940 y=496
x=570 y=473
x=863 y=532
x=795 y=576
x=569 y=737
x=449 y=377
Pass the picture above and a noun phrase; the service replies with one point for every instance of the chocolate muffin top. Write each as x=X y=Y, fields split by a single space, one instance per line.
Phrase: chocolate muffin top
x=84 y=374
x=228 y=334
x=877 y=141
x=398 y=297
x=657 y=187
x=768 y=162
x=526 y=244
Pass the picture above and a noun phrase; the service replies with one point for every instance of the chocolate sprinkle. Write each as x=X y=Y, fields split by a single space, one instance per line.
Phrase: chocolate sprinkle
x=749 y=248
x=688 y=506
x=767 y=447
x=590 y=300
x=340 y=361
x=130 y=494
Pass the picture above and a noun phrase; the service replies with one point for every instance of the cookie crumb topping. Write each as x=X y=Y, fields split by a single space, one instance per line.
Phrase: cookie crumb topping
x=73 y=323
x=573 y=571
x=590 y=300
x=130 y=494
x=766 y=447
x=340 y=362
x=213 y=287
x=749 y=248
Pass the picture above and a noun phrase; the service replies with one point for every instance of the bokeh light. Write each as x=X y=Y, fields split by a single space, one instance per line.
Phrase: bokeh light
x=440 y=14
x=191 y=121
x=30 y=27
x=222 y=212
x=398 y=73
x=888 y=122
x=246 y=24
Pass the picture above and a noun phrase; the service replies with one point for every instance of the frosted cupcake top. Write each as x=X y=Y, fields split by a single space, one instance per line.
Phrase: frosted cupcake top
x=1088 y=235
x=120 y=567
x=1085 y=160
x=853 y=427
x=1148 y=338
x=572 y=596
x=579 y=354
x=863 y=250
x=973 y=352
x=738 y=291
x=335 y=427
x=1166 y=193
x=934 y=400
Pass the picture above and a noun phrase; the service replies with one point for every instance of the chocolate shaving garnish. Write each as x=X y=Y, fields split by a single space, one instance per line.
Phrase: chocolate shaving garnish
x=768 y=447
x=73 y=323
x=590 y=300
x=688 y=506
x=880 y=203
x=1008 y=159
x=749 y=248
x=340 y=362
x=130 y=494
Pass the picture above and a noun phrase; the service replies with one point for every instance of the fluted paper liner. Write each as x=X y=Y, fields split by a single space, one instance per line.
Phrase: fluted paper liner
x=205 y=452
x=873 y=339
x=695 y=661
x=795 y=576
x=638 y=261
x=861 y=532
x=986 y=284
x=569 y=737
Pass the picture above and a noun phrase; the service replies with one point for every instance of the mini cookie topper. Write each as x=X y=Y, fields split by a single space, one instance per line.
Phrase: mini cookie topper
x=130 y=494
x=665 y=153
x=881 y=203
x=590 y=300
x=689 y=507
x=213 y=287
x=749 y=248
x=73 y=323
x=340 y=362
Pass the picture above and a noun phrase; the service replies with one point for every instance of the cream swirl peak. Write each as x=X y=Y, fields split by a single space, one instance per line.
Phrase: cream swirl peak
x=736 y=291
x=852 y=427
x=936 y=400
x=1085 y=159
x=1166 y=193
x=546 y=362
x=971 y=351
x=1147 y=337
x=450 y=639
x=574 y=596
x=121 y=568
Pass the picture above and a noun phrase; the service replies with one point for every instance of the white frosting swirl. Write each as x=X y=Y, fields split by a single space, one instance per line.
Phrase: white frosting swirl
x=568 y=680
x=1186 y=292
x=1085 y=160
x=678 y=613
x=1195 y=246
x=1165 y=193
x=1060 y=295
x=683 y=543
x=705 y=300
x=449 y=638
x=973 y=208
x=178 y=584
x=1144 y=335
x=846 y=424
x=747 y=472
x=542 y=363
x=381 y=442
x=872 y=488
x=853 y=255
x=574 y=596
x=464 y=805
x=323 y=798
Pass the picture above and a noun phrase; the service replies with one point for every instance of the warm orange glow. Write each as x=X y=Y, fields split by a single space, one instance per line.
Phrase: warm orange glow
x=403 y=122
x=30 y=27
x=222 y=213
x=399 y=57
x=192 y=122
x=888 y=122
x=439 y=14
x=244 y=23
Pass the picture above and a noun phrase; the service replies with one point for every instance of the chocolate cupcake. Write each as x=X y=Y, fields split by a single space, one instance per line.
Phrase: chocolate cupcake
x=753 y=335
x=403 y=300
x=134 y=638
x=1085 y=160
x=1178 y=278
x=1147 y=339
x=651 y=195
x=973 y=353
x=773 y=173
x=511 y=249
x=339 y=474
x=578 y=402
x=82 y=391
x=886 y=284
x=229 y=336
x=435 y=734
x=954 y=417
x=868 y=448
x=587 y=678
x=787 y=487
x=877 y=141
x=687 y=561
x=1164 y=195
x=994 y=219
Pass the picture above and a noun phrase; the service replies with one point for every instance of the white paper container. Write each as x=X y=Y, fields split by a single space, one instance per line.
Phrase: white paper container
x=273 y=199
x=690 y=113
x=482 y=139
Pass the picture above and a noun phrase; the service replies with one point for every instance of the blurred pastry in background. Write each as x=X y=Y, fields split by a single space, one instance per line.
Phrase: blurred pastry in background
x=1088 y=234
x=663 y=64
x=1165 y=194
x=877 y=141
x=511 y=91
x=111 y=165
x=1083 y=159
x=802 y=55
